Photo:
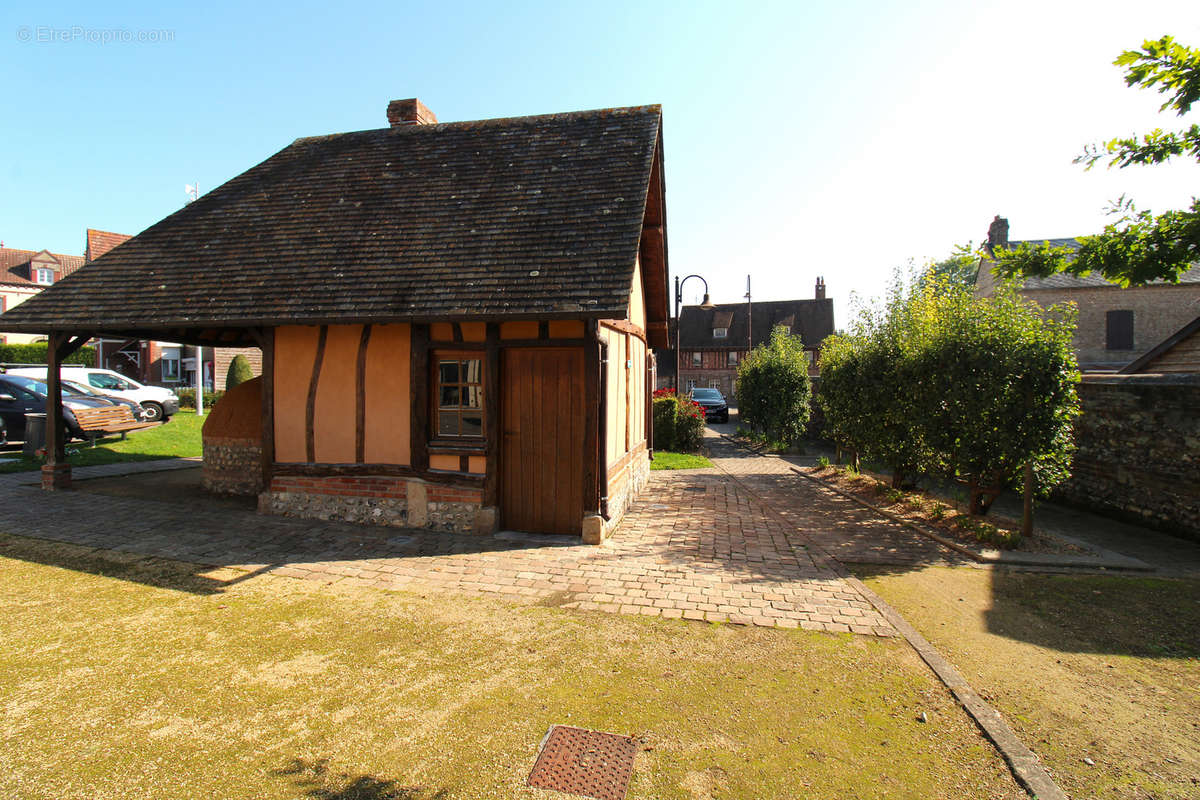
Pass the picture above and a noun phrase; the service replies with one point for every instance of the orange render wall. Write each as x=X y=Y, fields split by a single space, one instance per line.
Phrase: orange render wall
x=386 y=383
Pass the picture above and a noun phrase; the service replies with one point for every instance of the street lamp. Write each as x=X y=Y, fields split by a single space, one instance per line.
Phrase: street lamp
x=706 y=305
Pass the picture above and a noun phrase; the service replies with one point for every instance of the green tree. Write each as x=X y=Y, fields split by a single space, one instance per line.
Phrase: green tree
x=940 y=381
x=1138 y=246
x=773 y=388
x=239 y=372
x=959 y=267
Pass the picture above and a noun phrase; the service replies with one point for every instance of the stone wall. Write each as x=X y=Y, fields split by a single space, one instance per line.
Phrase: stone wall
x=1139 y=450
x=232 y=465
x=380 y=500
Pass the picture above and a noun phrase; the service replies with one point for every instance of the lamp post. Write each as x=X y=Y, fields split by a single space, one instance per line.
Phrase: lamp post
x=706 y=305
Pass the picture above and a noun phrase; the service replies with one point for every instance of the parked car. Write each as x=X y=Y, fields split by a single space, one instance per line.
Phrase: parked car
x=21 y=395
x=158 y=403
x=135 y=408
x=713 y=403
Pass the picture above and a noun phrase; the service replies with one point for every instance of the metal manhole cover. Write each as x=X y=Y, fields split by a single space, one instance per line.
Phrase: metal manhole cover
x=583 y=762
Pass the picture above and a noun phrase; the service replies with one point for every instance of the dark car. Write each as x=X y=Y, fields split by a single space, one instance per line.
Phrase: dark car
x=713 y=403
x=20 y=396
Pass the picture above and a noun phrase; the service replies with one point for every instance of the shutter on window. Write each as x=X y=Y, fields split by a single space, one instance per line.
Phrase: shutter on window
x=1119 y=330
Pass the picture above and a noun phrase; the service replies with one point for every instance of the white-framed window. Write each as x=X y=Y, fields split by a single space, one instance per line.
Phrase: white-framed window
x=697 y=359
x=171 y=366
x=691 y=384
x=731 y=358
x=43 y=276
x=720 y=333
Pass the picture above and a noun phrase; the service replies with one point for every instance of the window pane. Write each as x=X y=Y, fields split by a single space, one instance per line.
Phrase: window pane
x=449 y=397
x=472 y=425
x=472 y=397
x=448 y=372
x=448 y=423
x=473 y=371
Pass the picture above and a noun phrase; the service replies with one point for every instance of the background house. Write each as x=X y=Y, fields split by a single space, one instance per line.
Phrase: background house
x=24 y=273
x=1116 y=325
x=713 y=342
x=170 y=364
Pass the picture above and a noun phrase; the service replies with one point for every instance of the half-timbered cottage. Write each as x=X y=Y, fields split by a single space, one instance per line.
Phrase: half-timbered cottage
x=455 y=319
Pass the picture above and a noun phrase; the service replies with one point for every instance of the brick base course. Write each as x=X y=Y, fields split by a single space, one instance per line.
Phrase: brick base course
x=379 y=500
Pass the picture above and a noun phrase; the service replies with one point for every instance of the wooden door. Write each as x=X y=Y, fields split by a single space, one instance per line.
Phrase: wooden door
x=541 y=454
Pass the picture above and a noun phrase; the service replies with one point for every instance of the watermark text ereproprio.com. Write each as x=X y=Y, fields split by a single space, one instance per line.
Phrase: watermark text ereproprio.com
x=49 y=34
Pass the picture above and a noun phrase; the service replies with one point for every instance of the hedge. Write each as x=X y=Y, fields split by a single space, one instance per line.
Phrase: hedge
x=35 y=353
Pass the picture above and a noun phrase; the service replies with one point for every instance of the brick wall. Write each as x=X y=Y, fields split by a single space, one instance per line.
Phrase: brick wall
x=223 y=356
x=1139 y=450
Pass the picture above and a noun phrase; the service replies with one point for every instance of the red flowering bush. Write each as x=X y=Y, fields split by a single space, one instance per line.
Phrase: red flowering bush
x=678 y=422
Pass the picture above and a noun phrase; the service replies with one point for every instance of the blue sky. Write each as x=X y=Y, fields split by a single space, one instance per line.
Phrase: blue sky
x=802 y=139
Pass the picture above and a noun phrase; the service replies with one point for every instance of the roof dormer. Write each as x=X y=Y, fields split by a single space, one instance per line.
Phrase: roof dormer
x=44 y=268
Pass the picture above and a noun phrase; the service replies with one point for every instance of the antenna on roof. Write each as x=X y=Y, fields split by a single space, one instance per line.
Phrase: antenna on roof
x=192 y=190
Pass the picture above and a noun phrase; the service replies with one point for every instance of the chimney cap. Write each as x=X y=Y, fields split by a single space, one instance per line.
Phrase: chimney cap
x=409 y=112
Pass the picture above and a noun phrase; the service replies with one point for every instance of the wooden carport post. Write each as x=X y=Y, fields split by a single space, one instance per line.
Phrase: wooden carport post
x=56 y=472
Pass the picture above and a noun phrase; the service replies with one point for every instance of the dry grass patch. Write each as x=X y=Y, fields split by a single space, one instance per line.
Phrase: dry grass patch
x=1083 y=667
x=146 y=678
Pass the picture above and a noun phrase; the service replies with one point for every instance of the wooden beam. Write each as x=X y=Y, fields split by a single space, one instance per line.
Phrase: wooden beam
x=491 y=422
x=418 y=379
x=360 y=397
x=266 y=340
x=591 y=419
x=56 y=471
x=543 y=329
x=628 y=388
x=456 y=332
x=310 y=416
x=451 y=345
x=624 y=326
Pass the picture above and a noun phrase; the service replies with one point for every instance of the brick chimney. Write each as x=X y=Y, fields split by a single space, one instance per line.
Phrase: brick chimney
x=820 y=288
x=409 y=112
x=998 y=233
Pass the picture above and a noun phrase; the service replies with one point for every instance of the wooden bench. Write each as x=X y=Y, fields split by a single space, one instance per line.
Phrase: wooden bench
x=96 y=422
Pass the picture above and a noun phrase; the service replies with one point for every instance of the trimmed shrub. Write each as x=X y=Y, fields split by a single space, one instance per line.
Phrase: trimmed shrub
x=678 y=423
x=689 y=426
x=35 y=353
x=239 y=372
x=187 y=398
x=773 y=388
x=666 y=409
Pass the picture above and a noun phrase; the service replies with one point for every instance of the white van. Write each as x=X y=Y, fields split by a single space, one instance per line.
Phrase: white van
x=158 y=403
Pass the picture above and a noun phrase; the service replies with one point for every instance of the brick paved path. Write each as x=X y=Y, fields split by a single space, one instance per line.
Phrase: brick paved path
x=697 y=546
x=839 y=526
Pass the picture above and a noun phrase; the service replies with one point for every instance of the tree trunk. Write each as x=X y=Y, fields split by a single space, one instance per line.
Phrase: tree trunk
x=1027 y=515
x=897 y=479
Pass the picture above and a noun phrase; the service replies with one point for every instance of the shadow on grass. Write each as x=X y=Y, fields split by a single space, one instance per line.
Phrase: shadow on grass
x=1118 y=615
x=315 y=780
x=157 y=572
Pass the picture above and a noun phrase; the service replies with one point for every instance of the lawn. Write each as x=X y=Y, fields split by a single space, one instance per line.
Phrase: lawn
x=179 y=437
x=127 y=677
x=668 y=460
x=1102 y=668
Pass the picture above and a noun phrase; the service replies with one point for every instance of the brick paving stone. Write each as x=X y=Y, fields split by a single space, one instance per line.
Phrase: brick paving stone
x=696 y=546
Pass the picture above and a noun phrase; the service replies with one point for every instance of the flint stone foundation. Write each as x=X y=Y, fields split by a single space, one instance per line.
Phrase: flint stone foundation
x=380 y=500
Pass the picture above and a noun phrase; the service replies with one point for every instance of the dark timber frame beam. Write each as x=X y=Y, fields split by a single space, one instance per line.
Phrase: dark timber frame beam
x=56 y=472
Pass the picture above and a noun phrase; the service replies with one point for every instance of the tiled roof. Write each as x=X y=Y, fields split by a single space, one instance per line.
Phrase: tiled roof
x=811 y=319
x=14 y=266
x=100 y=242
x=1064 y=281
x=522 y=217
